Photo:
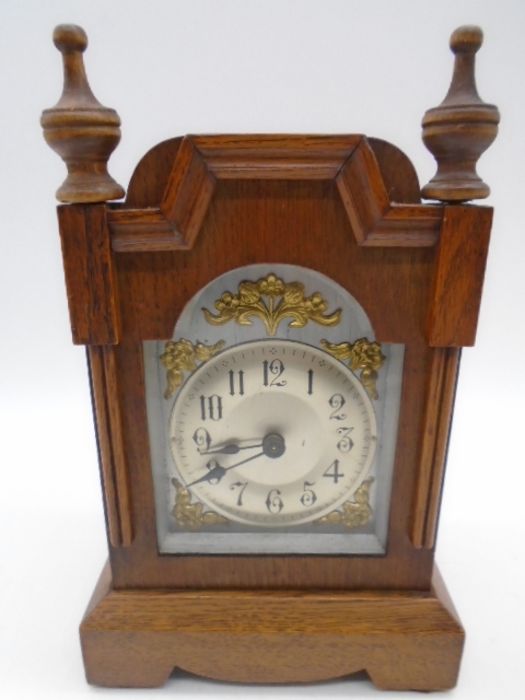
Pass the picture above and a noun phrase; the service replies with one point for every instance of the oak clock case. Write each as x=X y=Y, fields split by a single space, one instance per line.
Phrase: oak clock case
x=273 y=327
x=272 y=417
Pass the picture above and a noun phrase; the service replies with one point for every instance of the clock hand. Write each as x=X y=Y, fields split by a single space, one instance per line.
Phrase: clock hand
x=230 y=448
x=214 y=474
x=217 y=472
x=273 y=446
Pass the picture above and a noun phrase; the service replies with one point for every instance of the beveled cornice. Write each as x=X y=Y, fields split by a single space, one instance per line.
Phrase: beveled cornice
x=202 y=160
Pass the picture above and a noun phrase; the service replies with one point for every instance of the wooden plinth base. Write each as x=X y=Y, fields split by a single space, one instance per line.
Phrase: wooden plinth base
x=403 y=640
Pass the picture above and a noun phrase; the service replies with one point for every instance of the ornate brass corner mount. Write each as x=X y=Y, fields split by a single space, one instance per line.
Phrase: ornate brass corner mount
x=192 y=515
x=182 y=356
x=272 y=300
x=363 y=356
x=352 y=513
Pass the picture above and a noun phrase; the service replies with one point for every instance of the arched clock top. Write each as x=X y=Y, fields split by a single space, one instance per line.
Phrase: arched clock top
x=183 y=173
x=370 y=187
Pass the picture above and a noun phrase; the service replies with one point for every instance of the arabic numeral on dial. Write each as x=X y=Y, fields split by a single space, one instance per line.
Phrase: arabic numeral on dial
x=272 y=372
x=211 y=407
x=236 y=382
x=333 y=472
x=346 y=443
x=308 y=497
x=336 y=402
x=274 y=501
x=202 y=439
x=241 y=485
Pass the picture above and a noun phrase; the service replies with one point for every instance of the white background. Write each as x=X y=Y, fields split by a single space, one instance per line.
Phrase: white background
x=245 y=66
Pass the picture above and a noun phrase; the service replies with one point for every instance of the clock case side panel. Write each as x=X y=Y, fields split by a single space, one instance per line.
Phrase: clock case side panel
x=154 y=283
x=453 y=312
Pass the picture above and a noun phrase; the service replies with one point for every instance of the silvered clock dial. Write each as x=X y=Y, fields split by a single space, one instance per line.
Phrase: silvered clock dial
x=273 y=432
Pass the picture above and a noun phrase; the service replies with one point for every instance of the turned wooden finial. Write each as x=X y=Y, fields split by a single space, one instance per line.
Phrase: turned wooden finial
x=461 y=128
x=81 y=130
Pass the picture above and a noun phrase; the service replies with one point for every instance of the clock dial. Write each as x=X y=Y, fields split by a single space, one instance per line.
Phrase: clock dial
x=273 y=433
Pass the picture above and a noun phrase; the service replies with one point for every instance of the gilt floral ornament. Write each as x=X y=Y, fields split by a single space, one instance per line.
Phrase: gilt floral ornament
x=352 y=513
x=363 y=356
x=272 y=300
x=183 y=356
x=192 y=515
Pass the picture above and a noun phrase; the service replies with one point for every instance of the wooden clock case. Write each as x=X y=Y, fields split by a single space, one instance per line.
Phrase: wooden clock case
x=346 y=206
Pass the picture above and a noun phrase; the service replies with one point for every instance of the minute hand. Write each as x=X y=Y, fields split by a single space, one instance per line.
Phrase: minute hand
x=217 y=472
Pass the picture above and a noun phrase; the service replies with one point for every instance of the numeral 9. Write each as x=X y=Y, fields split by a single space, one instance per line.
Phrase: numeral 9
x=202 y=439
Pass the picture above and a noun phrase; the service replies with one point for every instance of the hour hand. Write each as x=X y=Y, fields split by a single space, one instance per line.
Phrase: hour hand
x=230 y=448
x=214 y=474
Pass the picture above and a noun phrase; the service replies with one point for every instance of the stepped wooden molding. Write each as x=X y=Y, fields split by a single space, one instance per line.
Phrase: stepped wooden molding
x=461 y=257
x=200 y=161
x=375 y=220
x=404 y=640
x=110 y=440
x=435 y=431
x=89 y=269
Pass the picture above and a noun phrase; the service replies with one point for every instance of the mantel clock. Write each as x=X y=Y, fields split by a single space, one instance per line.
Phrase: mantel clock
x=273 y=327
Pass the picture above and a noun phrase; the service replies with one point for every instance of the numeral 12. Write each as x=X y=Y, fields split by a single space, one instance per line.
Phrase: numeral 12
x=272 y=372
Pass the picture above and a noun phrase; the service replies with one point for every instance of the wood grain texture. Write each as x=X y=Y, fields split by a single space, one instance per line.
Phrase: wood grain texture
x=461 y=128
x=459 y=273
x=188 y=191
x=79 y=128
x=302 y=222
x=90 y=274
x=375 y=221
x=403 y=640
x=276 y=156
x=435 y=430
x=392 y=161
x=348 y=207
x=138 y=230
x=139 y=565
x=174 y=218
x=111 y=445
x=251 y=221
